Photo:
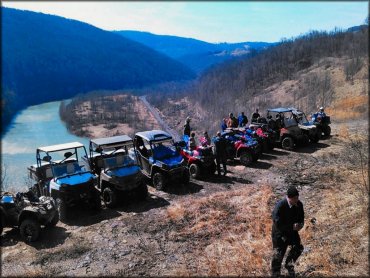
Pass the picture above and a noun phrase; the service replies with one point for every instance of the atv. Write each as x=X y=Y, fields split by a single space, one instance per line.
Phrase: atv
x=114 y=160
x=322 y=124
x=309 y=129
x=64 y=177
x=238 y=147
x=200 y=161
x=289 y=135
x=27 y=212
x=159 y=159
x=265 y=133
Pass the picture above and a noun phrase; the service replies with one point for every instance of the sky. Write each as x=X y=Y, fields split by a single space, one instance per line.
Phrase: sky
x=215 y=22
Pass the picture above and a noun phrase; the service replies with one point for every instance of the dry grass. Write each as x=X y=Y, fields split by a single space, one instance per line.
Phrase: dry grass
x=353 y=107
x=235 y=230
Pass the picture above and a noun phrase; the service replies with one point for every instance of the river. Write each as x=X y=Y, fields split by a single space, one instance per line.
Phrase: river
x=34 y=127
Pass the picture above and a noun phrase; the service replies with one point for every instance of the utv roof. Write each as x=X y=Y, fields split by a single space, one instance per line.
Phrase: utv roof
x=114 y=141
x=154 y=135
x=280 y=110
x=60 y=147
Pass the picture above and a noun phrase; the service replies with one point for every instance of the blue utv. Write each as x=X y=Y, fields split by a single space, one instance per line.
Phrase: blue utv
x=60 y=174
x=159 y=159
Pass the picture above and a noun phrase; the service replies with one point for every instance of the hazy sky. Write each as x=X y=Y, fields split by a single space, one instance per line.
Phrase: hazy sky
x=209 y=21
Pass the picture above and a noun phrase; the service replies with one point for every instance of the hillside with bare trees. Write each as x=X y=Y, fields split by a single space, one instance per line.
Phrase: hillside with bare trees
x=316 y=69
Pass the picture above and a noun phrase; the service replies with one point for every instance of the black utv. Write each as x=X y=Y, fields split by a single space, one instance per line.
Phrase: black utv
x=113 y=160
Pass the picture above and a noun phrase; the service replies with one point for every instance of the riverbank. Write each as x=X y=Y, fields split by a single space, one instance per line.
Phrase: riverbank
x=107 y=115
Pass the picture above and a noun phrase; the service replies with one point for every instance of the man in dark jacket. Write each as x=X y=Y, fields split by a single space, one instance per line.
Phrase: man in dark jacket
x=187 y=128
x=220 y=153
x=242 y=119
x=288 y=219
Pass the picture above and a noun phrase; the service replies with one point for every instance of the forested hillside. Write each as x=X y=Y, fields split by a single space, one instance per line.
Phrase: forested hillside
x=47 y=58
x=315 y=69
x=197 y=55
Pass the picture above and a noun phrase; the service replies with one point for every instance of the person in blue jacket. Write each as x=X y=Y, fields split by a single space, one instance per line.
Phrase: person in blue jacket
x=242 y=120
x=224 y=124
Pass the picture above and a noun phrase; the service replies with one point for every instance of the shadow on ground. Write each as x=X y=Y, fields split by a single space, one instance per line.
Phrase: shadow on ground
x=49 y=238
x=151 y=202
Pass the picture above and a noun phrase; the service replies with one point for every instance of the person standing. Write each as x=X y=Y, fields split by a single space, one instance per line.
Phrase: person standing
x=255 y=116
x=288 y=219
x=187 y=128
x=224 y=124
x=220 y=153
x=243 y=120
x=192 y=142
x=232 y=121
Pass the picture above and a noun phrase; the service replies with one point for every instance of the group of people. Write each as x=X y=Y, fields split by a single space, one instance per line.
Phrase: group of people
x=288 y=213
x=241 y=121
x=205 y=141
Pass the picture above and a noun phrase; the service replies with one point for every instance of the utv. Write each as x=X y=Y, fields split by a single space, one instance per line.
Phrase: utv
x=113 y=159
x=200 y=161
x=239 y=147
x=288 y=132
x=322 y=124
x=309 y=129
x=28 y=213
x=64 y=177
x=159 y=159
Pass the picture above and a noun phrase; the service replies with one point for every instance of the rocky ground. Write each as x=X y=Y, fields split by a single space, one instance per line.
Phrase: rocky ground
x=216 y=226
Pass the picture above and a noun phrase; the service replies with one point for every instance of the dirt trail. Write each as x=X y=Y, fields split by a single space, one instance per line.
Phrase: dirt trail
x=155 y=237
x=162 y=123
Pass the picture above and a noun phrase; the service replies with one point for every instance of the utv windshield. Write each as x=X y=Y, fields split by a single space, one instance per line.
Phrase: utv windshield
x=164 y=149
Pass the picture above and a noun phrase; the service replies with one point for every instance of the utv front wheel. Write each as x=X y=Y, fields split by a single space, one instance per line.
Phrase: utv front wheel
x=62 y=209
x=30 y=230
x=142 y=192
x=194 y=171
x=287 y=143
x=246 y=158
x=158 y=181
x=53 y=221
x=186 y=177
x=110 y=197
x=327 y=131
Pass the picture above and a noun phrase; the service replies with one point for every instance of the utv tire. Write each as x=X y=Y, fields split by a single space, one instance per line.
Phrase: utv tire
x=186 y=177
x=1 y=224
x=62 y=209
x=53 y=221
x=159 y=181
x=109 y=197
x=327 y=131
x=194 y=171
x=142 y=192
x=30 y=230
x=246 y=158
x=287 y=143
x=212 y=169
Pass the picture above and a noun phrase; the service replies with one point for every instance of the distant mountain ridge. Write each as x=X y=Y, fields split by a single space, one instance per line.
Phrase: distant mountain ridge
x=46 y=58
x=196 y=54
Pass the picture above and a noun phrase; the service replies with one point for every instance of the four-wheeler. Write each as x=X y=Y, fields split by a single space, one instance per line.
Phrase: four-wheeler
x=200 y=161
x=309 y=129
x=159 y=159
x=322 y=124
x=238 y=147
x=27 y=212
x=288 y=132
x=114 y=160
x=60 y=174
x=267 y=134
